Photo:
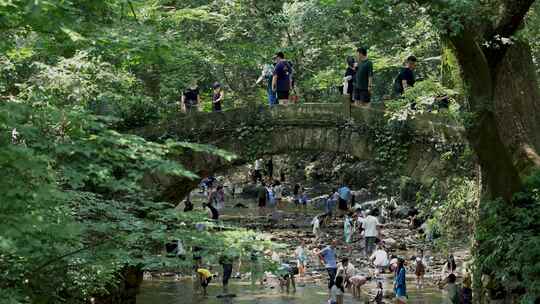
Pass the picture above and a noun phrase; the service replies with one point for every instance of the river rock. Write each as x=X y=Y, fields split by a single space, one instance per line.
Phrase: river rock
x=401 y=212
x=390 y=242
x=318 y=202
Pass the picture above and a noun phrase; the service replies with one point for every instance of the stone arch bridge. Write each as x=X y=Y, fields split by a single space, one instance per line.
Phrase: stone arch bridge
x=255 y=131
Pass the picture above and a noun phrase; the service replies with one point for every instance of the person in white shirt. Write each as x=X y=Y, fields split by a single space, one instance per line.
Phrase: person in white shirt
x=346 y=270
x=278 y=194
x=371 y=231
x=380 y=259
x=301 y=258
x=257 y=173
x=316 y=222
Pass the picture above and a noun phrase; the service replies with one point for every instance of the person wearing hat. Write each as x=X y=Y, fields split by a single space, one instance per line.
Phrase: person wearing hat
x=217 y=97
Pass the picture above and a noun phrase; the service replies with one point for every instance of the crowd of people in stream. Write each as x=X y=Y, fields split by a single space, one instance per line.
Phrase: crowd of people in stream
x=355 y=245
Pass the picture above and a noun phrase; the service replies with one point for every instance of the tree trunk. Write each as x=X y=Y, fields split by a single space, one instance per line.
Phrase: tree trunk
x=499 y=175
x=517 y=108
x=503 y=123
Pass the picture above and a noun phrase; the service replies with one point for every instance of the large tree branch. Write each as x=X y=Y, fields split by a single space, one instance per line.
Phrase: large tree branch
x=511 y=17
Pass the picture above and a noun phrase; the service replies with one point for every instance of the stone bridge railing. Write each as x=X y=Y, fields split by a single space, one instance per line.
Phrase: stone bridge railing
x=201 y=125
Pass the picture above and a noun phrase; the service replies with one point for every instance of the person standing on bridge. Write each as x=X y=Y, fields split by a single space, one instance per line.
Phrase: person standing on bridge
x=363 y=82
x=282 y=80
x=191 y=99
x=349 y=78
x=267 y=75
x=217 y=97
x=406 y=77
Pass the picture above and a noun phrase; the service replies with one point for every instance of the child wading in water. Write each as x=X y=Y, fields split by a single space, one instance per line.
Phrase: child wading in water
x=337 y=291
x=301 y=258
x=205 y=276
x=379 y=296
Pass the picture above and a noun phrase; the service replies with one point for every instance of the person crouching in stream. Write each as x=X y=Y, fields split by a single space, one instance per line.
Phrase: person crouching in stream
x=286 y=274
x=205 y=276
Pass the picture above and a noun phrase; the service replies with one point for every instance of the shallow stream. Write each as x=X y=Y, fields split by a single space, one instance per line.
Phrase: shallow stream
x=158 y=291
x=312 y=291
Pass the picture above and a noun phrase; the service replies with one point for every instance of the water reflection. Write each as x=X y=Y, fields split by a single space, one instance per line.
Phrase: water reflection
x=157 y=292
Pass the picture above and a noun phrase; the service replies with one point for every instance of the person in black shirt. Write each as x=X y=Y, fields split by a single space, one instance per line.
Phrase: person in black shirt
x=217 y=97
x=406 y=78
x=349 y=78
x=213 y=212
x=270 y=168
x=282 y=79
x=191 y=98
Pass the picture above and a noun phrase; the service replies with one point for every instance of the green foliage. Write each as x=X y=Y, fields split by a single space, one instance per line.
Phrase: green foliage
x=88 y=236
x=508 y=245
x=392 y=142
x=452 y=212
x=424 y=95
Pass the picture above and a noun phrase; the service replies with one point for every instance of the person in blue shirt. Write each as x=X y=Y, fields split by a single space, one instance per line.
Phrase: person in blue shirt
x=282 y=79
x=329 y=258
x=400 y=285
x=344 y=198
x=330 y=204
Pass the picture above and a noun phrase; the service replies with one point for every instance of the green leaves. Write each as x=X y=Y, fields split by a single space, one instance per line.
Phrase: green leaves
x=54 y=150
x=508 y=235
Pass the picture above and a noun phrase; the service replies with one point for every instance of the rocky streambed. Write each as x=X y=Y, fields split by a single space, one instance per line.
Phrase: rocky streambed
x=291 y=226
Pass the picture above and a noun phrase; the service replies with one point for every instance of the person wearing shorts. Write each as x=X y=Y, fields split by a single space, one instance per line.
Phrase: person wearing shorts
x=363 y=82
x=281 y=80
